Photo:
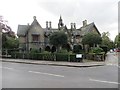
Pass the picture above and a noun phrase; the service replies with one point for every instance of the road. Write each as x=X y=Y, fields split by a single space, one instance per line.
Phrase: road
x=18 y=75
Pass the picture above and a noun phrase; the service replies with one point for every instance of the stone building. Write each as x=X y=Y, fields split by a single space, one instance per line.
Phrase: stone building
x=34 y=36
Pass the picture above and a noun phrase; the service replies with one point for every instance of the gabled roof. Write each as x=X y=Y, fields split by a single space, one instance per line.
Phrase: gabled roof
x=22 y=30
x=88 y=28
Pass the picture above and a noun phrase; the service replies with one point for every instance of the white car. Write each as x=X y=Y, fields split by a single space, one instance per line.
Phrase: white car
x=111 y=51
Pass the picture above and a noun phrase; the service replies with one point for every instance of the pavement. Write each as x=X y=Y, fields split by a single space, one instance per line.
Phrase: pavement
x=85 y=63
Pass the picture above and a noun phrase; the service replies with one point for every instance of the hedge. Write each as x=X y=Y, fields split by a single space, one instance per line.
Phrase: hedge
x=45 y=56
x=61 y=57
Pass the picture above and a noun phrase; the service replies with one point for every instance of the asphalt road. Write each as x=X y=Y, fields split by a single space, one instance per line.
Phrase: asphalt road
x=17 y=75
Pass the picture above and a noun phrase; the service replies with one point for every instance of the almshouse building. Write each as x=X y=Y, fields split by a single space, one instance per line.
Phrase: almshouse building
x=35 y=37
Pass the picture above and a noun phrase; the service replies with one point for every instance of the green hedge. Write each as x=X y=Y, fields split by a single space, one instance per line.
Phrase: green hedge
x=61 y=57
x=45 y=56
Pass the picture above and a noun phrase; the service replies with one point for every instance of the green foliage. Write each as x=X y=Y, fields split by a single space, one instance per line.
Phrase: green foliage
x=117 y=40
x=34 y=50
x=104 y=47
x=45 y=56
x=91 y=39
x=96 y=50
x=106 y=40
x=61 y=57
x=77 y=49
x=58 y=39
x=46 y=52
x=63 y=51
x=9 y=42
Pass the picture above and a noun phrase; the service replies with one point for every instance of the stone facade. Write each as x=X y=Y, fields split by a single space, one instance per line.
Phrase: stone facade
x=34 y=36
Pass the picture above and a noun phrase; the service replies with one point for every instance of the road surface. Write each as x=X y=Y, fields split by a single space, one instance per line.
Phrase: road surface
x=18 y=75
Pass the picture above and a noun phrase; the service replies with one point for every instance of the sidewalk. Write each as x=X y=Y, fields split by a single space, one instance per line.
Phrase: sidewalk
x=56 y=63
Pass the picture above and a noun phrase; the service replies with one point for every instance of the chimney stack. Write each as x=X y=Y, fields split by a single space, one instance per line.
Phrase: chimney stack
x=46 y=24
x=71 y=25
x=50 y=26
x=28 y=24
x=84 y=23
x=74 y=25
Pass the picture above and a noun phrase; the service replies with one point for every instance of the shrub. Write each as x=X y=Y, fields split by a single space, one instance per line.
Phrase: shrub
x=34 y=51
x=96 y=50
x=105 y=48
x=72 y=57
x=77 y=49
x=48 y=56
x=63 y=51
x=61 y=57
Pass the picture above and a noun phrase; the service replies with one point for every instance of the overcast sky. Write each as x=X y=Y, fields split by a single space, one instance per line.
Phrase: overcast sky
x=104 y=13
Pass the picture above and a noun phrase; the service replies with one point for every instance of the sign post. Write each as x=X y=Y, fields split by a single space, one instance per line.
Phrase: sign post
x=79 y=57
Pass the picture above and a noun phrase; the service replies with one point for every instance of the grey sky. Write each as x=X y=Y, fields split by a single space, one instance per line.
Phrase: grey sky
x=104 y=13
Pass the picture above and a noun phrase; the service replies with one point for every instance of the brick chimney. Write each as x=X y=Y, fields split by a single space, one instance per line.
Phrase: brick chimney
x=71 y=25
x=74 y=25
x=50 y=26
x=84 y=23
x=46 y=24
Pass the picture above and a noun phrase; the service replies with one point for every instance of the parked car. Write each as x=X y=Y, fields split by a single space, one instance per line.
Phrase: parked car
x=111 y=51
x=118 y=50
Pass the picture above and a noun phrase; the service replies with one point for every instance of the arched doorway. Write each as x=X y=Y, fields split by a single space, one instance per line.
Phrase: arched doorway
x=67 y=47
x=53 y=49
x=40 y=50
x=47 y=48
x=77 y=48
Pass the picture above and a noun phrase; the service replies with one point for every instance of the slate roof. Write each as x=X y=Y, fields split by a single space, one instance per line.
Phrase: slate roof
x=88 y=28
x=22 y=30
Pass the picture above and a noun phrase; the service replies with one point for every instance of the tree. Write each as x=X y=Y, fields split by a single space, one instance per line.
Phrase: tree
x=117 y=40
x=10 y=42
x=3 y=25
x=8 y=38
x=91 y=39
x=58 y=39
x=106 y=41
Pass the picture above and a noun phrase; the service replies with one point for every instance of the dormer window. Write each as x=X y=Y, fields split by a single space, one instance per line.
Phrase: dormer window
x=35 y=37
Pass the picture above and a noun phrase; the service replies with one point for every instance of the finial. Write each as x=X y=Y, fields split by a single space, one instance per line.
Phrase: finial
x=34 y=17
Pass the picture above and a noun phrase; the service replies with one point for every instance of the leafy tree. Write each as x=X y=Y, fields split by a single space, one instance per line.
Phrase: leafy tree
x=106 y=40
x=117 y=40
x=10 y=42
x=91 y=39
x=58 y=39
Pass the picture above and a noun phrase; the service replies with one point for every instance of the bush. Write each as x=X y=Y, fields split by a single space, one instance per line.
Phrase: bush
x=77 y=49
x=34 y=51
x=61 y=57
x=105 y=48
x=97 y=50
x=63 y=51
x=46 y=56
x=72 y=57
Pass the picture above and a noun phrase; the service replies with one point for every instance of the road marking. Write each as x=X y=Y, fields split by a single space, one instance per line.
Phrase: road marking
x=104 y=81
x=7 y=68
x=46 y=73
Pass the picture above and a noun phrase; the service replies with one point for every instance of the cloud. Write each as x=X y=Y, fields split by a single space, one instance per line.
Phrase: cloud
x=103 y=13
